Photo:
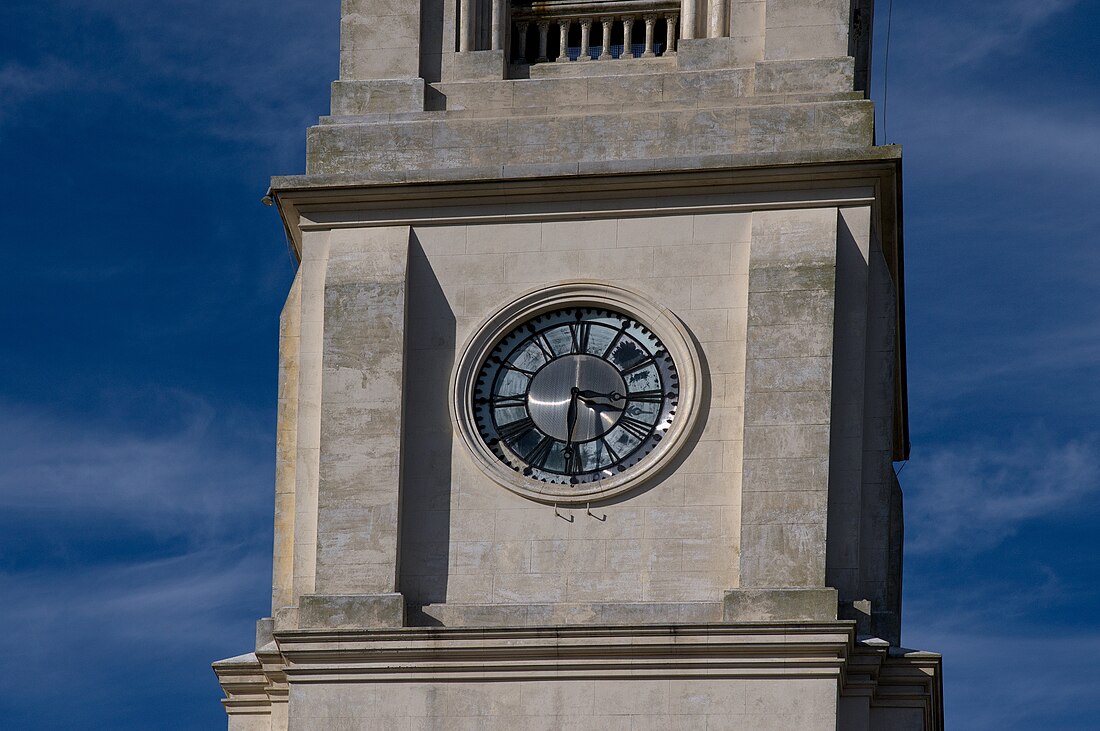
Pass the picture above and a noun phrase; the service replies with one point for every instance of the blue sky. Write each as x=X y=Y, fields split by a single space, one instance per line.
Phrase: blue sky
x=144 y=279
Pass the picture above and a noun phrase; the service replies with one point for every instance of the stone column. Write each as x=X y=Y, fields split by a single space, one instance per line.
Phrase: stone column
x=628 y=37
x=691 y=18
x=544 y=32
x=466 y=32
x=605 y=51
x=522 y=45
x=586 y=31
x=362 y=397
x=498 y=25
x=716 y=19
x=670 y=32
x=650 y=26
x=563 y=31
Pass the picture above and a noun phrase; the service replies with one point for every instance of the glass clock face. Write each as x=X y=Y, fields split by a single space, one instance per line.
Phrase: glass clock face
x=576 y=395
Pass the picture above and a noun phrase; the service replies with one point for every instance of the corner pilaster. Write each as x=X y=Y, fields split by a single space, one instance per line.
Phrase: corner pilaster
x=359 y=491
x=789 y=364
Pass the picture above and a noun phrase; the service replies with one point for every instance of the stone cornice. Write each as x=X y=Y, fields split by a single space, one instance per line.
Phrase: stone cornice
x=895 y=678
x=452 y=654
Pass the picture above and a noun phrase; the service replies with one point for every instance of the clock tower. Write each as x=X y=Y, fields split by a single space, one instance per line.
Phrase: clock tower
x=592 y=379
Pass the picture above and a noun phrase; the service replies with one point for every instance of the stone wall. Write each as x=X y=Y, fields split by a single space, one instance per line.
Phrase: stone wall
x=467 y=541
x=575 y=705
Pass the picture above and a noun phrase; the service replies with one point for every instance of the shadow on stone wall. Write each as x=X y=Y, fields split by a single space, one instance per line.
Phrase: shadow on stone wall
x=428 y=438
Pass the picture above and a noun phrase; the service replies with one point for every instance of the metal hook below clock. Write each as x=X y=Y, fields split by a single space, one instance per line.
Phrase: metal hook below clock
x=566 y=518
x=589 y=512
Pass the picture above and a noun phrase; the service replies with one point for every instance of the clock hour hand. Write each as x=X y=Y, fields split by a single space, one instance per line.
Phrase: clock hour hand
x=588 y=396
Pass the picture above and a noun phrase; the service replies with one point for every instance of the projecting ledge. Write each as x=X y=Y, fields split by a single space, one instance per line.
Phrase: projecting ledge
x=748 y=163
x=363 y=611
x=781 y=605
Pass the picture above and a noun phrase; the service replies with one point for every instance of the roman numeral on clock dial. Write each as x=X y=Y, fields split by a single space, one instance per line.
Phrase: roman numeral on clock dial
x=538 y=456
x=579 y=334
x=646 y=397
x=634 y=427
x=515 y=430
x=503 y=402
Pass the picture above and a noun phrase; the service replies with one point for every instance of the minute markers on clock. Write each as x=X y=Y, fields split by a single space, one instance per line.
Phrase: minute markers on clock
x=538 y=376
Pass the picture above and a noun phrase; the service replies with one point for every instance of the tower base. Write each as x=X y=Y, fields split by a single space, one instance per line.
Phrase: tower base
x=795 y=675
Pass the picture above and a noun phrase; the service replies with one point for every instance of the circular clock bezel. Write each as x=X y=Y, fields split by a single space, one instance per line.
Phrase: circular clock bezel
x=581 y=294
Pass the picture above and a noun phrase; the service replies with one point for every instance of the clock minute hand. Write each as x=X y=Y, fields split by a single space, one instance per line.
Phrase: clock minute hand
x=571 y=422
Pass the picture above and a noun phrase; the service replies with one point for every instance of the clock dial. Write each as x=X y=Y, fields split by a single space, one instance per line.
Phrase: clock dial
x=576 y=395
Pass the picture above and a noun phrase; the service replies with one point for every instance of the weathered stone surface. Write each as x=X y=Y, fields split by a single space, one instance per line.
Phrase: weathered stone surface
x=352 y=612
x=362 y=400
x=781 y=605
x=354 y=98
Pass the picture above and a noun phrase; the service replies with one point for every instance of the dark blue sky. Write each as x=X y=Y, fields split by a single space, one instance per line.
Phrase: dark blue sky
x=144 y=280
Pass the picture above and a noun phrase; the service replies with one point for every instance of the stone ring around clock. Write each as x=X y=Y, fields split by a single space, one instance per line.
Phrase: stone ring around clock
x=550 y=404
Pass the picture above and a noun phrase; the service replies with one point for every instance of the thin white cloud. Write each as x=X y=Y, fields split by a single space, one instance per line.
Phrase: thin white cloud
x=21 y=83
x=138 y=601
x=971 y=133
x=950 y=35
x=966 y=498
x=237 y=71
x=1017 y=681
x=1007 y=667
x=193 y=495
x=999 y=359
x=164 y=621
x=194 y=479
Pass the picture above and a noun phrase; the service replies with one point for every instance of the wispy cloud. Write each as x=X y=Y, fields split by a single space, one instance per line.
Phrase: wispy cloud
x=191 y=475
x=148 y=548
x=1017 y=681
x=1008 y=357
x=975 y=133
x=969 y=497
x=949 y=35
x=151 y=627
x=20 y=83
x=241 y=72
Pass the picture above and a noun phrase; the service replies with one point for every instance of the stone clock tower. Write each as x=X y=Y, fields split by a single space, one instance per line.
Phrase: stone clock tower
x=591 y=379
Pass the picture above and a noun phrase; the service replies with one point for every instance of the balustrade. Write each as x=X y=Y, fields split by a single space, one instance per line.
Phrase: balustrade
x=568 y=33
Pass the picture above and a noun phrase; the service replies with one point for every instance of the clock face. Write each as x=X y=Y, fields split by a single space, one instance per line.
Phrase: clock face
x=575 y=396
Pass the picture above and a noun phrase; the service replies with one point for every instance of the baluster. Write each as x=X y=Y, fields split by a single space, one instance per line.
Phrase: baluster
x=586 y=29
x=628 y=37
x=605 y=52
x=650 y=25
x=563 y=29
x=544 y=31
x=670 y=33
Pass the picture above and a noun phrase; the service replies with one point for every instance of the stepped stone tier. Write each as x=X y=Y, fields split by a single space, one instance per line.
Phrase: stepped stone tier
x=694 y=524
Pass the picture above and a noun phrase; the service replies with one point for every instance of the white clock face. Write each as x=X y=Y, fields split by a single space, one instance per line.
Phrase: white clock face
x=575 y=396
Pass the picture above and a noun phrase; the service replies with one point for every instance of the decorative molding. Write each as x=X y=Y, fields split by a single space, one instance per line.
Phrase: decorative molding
x=792 y=650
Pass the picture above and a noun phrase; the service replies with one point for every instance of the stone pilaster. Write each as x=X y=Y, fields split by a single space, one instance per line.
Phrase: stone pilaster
x=789 y=365
x=361 y=430
x=286 y=449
